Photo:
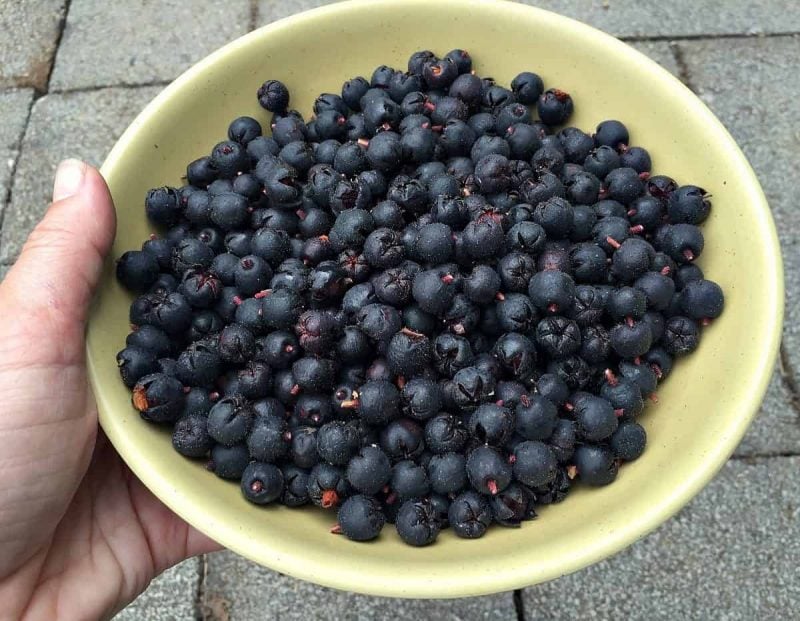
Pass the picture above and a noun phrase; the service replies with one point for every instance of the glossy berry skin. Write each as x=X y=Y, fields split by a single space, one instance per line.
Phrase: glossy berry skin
x=137 y=270
x=190 y=436
x=628 y=441
x=262 y=483
x=681 y=336
x=378 y=402
x=447 y=473
x=527 y=87
x=702 y=300
x=491 y=424
x=630 y=340
x=535 y=464
x=554 y=107
x=688 y=204
x=273 y=96
x=229 y=462
x=369 y=470
x=134 y=363
x=336 y=443
x=402 y=439
x=327 y=486
x=417 y=522
x=552 y=291
x=488 y=472
x=513 y=505
x=470 y=515
x=421 y=398
x=595 y=419
x=611 y=134
x=595 y=464
x=361 y=518
x=409 y=480
x=229 y=420
x=444 y=433
x=535 y=417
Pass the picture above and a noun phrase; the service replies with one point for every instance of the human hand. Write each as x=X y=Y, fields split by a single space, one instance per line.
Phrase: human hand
x=80 y=536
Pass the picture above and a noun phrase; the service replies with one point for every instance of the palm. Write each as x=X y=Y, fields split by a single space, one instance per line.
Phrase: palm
x=75 y=524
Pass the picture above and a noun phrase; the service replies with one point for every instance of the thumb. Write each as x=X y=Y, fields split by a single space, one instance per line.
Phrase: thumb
x=54 y=278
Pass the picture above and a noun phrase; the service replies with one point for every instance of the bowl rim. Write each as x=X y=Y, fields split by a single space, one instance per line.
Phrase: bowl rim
x=410 y=586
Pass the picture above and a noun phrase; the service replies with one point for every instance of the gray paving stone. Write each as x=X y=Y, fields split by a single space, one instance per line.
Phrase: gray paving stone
x=3 y=271
x=634 y=18
x=83 y=125
x=753 y=85
x=270 y=10
x=249 y=593
x=14 y=107
x=140 y=41
x=660 y=52
x=679 y=18
x=731 y=554
x=29 y=33
x=776 y=429
x=170 y=597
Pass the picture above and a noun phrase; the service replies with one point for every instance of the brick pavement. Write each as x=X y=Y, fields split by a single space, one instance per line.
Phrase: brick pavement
x=57 y=100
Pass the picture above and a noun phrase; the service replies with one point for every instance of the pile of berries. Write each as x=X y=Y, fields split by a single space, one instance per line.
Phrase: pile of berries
x=427 y=305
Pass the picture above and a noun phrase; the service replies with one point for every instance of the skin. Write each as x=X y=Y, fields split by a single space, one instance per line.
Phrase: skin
x=80 y=536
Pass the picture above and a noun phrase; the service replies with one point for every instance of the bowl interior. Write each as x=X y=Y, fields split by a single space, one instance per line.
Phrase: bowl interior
x=704 y=407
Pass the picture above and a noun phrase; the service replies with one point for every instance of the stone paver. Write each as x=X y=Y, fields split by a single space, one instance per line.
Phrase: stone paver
x=29 y=33
x=14 y=106
x=249 y=593
x=170 y=597
x=3 y=271
x=660 y=52
x=776 y=429
x=270 y=10
x=83 y=125
x=753 y=86
x=731 y=554
x=141 y=41
x=680 y=18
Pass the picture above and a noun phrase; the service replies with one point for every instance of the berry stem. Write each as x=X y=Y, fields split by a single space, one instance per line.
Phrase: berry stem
x=612 y=242
x=329 y=499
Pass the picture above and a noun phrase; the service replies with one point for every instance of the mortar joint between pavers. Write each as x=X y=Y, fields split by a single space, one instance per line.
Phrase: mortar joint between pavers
x=62 y=25
x=789 y=378
x=13 y=176
x=708 y=36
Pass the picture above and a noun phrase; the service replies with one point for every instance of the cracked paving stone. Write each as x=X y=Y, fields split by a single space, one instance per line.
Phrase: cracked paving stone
x=731 y=554
x=82 y=125
x=141 y=42
x=29 y=34
x=14 y=107
x=752 y=85
x=249 y=592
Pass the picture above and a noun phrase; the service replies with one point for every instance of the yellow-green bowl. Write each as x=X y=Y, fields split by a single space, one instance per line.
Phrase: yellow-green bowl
x=704 y=407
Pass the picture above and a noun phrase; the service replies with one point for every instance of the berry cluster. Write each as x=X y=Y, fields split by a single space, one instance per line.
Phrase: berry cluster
x=427 y=305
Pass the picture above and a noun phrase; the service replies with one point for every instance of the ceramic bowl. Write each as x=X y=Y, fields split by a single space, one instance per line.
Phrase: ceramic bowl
x=704 y=407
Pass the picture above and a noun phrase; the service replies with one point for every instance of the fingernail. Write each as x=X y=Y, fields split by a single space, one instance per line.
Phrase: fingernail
x=69 y=176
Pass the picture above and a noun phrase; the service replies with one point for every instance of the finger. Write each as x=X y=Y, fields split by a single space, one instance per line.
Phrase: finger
x=61 y=262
